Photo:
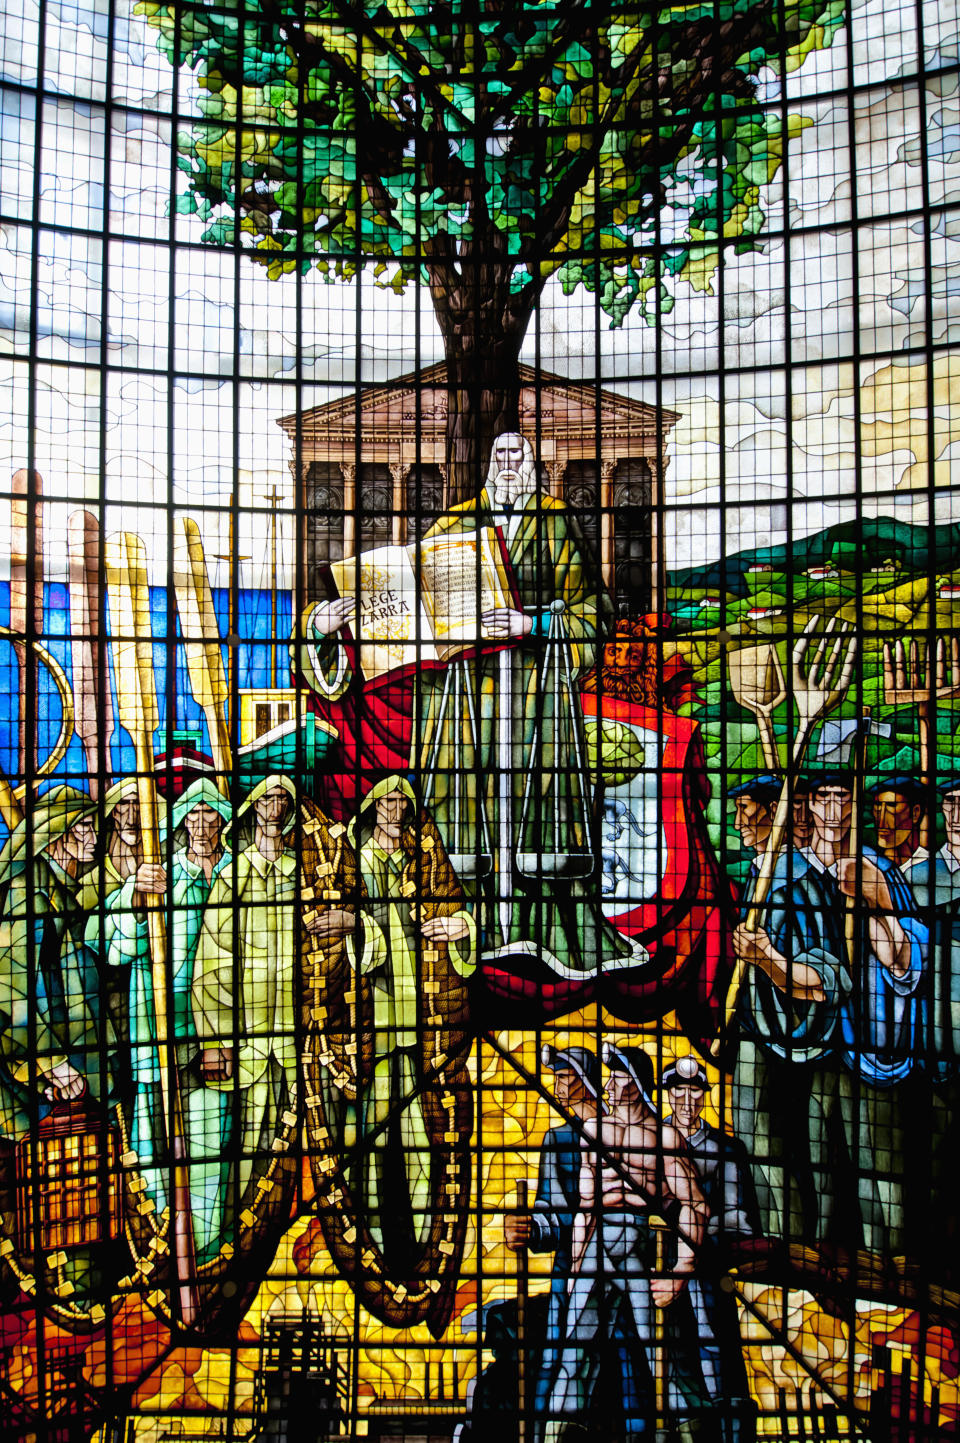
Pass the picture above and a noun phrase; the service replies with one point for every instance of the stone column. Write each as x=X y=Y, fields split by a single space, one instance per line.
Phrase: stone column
x=657 y=556
x=349 y=471
x=608 y=466
x=398 y=472
x=556 y=471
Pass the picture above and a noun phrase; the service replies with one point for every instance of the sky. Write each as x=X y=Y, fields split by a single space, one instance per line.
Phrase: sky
x=176 y=420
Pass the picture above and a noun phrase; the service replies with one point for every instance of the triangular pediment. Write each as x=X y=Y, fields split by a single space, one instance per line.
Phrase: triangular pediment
x=411 y=411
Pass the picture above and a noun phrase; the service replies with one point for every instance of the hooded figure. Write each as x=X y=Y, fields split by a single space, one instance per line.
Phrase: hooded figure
x=244 y=974
x=198 y=860
x=119 y=859
x=247 y=1004
x=49 y=984
x=415 y=922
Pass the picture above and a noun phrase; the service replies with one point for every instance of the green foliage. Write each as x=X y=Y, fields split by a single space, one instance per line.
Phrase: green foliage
x=576 y=137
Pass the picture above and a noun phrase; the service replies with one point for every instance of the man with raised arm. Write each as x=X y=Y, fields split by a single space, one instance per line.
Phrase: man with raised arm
x=634 y=1172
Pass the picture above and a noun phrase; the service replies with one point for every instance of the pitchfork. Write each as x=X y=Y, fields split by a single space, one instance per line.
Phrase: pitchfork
x=908 y=682
x=818 y=687
x=757 y=680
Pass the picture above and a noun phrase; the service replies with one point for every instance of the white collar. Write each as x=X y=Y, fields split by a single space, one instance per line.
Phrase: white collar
x=950 y=859
x=922 y=854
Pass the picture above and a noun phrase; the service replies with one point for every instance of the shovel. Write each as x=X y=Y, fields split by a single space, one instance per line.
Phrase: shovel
x=756 y=677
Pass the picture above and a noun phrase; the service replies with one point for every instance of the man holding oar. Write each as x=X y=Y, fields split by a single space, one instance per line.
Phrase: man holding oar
x=198 y=859
x=49 y=986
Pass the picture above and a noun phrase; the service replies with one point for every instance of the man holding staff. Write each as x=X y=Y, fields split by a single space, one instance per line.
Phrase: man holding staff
x=788 y=1017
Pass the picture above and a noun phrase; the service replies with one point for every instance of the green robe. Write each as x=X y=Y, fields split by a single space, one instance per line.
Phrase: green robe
x=395 y=1162
x=49 y=984
x=553 y=891
x=126 y=950
x=552 y=907
x=245 y=997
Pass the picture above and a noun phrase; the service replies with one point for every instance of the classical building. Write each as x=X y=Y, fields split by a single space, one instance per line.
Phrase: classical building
x=371 y=470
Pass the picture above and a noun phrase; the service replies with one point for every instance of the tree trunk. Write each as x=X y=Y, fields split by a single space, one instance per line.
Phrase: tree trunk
x=483 y=324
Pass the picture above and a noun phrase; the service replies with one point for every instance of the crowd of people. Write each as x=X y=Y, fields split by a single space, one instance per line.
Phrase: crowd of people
x=239 y=890
x=638 y=1200
x=846 y=1061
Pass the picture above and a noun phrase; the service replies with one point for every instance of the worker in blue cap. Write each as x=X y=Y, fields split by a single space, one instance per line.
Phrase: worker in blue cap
x=639 y=1174
x=549 y=1228
x=724 y=1174
x=755 y=801
x=935 y=882
x=784 y=1086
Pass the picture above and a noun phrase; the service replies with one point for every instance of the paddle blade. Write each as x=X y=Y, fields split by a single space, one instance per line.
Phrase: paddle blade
x=131 y=641
x=198 y=620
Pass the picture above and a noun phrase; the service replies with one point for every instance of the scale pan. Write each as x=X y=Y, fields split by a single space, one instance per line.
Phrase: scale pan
x=556 y=864
x=471 y=864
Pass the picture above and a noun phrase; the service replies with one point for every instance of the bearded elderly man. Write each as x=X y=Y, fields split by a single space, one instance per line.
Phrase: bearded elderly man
x=498 y=723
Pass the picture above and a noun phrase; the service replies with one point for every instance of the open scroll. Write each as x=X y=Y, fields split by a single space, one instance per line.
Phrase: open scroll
x=423 y=602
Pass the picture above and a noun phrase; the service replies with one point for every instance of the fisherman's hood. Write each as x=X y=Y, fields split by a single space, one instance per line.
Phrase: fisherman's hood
x=367 y=811
x=264 y=785
x=124 y=789
x=202 y=792
x=51 y=817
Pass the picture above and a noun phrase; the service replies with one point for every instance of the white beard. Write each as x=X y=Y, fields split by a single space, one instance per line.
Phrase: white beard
x=508 y=486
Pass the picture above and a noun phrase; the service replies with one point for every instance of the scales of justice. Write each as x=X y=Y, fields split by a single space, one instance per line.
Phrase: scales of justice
x=488 y=622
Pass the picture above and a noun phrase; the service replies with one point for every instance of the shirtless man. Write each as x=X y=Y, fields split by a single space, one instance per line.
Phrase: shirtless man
x=639 y=1168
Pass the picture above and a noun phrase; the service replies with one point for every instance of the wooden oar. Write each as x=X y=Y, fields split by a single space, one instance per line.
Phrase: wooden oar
x=817 y=689
x=26 y=585
x=93 y=725
x=659 y=1227
x=201 y=640
x=132 y=646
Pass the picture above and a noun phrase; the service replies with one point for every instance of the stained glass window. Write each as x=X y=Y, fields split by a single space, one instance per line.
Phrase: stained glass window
x=479 y=749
